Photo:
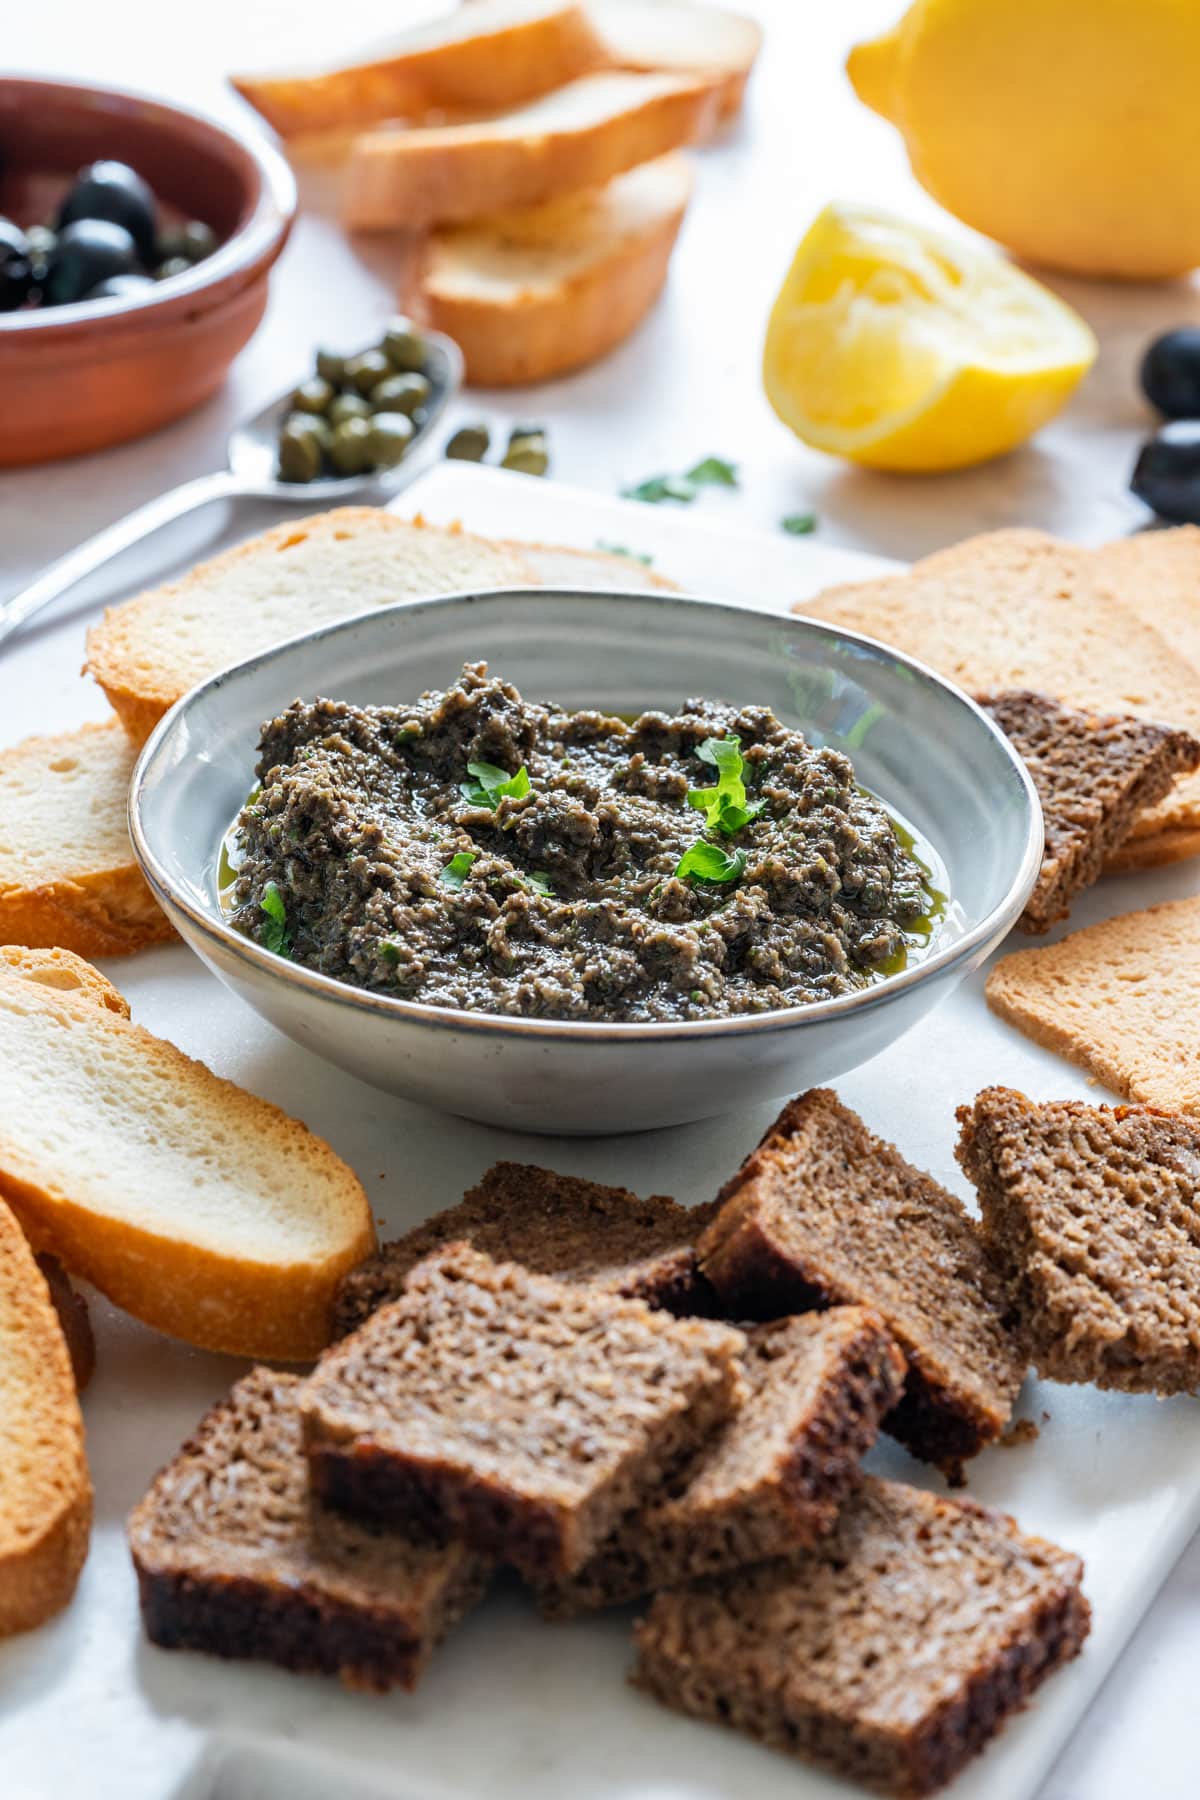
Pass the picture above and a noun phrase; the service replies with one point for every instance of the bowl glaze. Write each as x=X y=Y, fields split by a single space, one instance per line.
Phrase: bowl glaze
x=919 y=743
x=80 y=377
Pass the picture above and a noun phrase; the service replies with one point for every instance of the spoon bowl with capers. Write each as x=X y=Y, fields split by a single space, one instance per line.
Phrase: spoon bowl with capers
x=352 y=430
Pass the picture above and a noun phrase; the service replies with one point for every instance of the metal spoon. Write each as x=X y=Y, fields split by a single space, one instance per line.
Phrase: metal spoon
x=252 y=473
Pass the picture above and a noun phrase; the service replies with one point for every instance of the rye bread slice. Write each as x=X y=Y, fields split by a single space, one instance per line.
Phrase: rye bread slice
x=1094 y=773
x=888 y=1653
x=522 y=1414
x=604 y=1237
x=823 y=1213
x=1094 y=1214
x=772 y=1479
x=234 y=1557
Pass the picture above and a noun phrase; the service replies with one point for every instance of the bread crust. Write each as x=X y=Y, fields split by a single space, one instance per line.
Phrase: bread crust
x=409 y=180
x=45 y=1491
x=533 y=334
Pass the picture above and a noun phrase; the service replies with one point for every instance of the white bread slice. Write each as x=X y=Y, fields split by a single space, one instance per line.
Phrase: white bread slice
x=564 y=566
x=683 y=36
x=486 y=56
x=149 y=651
x=196 y=1207
x=580 y=136
x=529 y=294
x=65 y=972
x=45 y=1490
x=67 y=870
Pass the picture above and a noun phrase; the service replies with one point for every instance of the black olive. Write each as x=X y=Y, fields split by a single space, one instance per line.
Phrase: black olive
x=1167 y=473
x=1170 y=373
x=87 y=253
x=114 y=192
x=120 y=287
x=16 y=269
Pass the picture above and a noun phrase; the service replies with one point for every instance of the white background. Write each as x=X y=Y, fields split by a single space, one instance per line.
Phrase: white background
x=685 y=386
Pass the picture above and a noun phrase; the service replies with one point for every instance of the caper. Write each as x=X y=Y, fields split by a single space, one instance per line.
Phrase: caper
x=469 y=443
x=404 y=345
x=367 y=370
x=193 y=242
x=389 y=435
x=174 y=265
x=299 y=453
x=350 y=448
x=525 y=431
x=348 y=406
x=313 y=396
x=527 y=455
x=331 y=368
x=40 y=242
x=401 y=393
x=315 y=425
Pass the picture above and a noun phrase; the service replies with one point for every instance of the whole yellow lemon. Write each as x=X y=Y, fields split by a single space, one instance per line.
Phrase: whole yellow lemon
x=1068 y=130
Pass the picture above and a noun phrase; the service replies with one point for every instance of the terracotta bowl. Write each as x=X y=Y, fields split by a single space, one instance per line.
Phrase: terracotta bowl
x=98 y=372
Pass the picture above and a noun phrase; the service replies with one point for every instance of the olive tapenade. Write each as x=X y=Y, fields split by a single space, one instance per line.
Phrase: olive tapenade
x=475 y=850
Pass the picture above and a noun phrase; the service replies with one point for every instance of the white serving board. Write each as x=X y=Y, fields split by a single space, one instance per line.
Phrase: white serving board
x=512 y=1709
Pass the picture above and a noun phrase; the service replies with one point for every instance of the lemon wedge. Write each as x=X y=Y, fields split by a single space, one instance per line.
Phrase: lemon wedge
x=899 y=348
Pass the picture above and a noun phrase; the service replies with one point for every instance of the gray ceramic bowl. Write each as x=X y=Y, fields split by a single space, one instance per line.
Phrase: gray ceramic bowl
x=915 y=740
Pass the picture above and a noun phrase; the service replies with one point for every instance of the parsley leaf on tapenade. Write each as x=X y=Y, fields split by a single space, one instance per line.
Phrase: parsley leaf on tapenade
x=275 y=933
x=708 y=862
x=491 y=785
x=540 y=884
x=724 y=807
x=457 y=869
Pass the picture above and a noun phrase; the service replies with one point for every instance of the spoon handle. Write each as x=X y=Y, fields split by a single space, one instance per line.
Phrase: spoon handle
x=92 y=555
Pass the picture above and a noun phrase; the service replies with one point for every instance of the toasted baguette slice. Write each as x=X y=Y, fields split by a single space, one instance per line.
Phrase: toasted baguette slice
x=45 y=1492
x=198 y=1208
x=66 y=972
x=149 y=651
x=486 y=56
x=529 y=294
x=682 y=36
x=587 y=132
x=562 y=565
x=67 y=871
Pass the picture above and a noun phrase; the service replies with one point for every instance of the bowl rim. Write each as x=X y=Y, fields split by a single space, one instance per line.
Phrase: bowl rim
x=255 y=244
x=327 y=988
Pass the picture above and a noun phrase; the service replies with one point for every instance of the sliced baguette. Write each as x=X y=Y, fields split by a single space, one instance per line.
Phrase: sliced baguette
x=65 y=972
x=45 y=1490
x=489 y=55
x=578 y=137
x=684 y=37
x=196 y=1207
x=67 y=870
x=561 y=565
x=529 y=294
x=149 y=651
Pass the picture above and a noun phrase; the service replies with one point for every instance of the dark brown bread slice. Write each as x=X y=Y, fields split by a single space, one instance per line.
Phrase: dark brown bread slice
x=772 y=1479
x=1094 y=773
x=522 y=1414
x=234 y=1557
x=556 y=1225
x=889 y=1653
x=825 y=1214
x=1094 y=1213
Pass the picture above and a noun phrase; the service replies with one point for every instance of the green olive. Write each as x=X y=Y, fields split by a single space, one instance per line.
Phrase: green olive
x=174 y=265
x=367 y=370
x=469 y=443
x=315 y=425
x=390 y=434
x=313 y=396
x=401 y=393
x=331 y=368
x=404 y=345
x=350 y=450
x=299 y=453
x=527 y=455
x=349 y=406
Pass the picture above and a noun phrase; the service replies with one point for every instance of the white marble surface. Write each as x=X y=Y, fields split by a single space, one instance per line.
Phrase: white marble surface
x=685 y=386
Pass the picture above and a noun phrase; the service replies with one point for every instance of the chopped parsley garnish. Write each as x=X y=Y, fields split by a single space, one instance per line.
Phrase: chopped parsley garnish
x=492 y=785
x=457 y=869
x=540 y=884
x=622 y=550
x=662 y=487
x=713 y=471
x=390 y=953
x=275 y=933
x=798 y=524
x=725 y=806
x=709 y=862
